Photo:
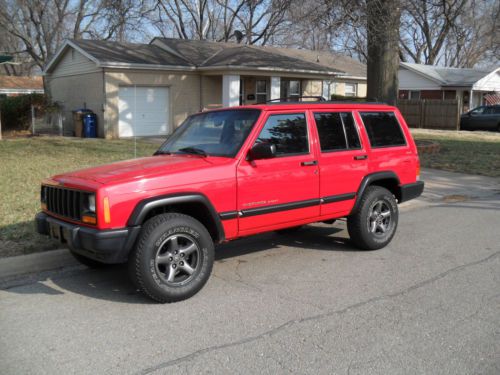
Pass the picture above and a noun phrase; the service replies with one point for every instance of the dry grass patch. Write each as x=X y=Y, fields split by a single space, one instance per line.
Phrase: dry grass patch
x=27 y=161
x=462 y=151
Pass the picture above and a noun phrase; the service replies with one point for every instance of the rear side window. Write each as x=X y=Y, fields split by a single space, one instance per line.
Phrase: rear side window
x=383 y=129
x=288 y=132
x=336 y=131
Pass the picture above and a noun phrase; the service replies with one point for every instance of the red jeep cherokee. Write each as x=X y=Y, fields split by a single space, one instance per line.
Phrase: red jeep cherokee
x=231 y=173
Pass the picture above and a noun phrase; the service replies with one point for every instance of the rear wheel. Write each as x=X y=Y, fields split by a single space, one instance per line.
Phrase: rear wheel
x=374 y=222
x=173 y=258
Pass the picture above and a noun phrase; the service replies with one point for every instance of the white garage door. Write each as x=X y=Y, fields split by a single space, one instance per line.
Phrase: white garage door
x=143 y=111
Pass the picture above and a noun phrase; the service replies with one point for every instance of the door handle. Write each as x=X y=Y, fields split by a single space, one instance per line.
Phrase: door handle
x=309 y=163
x=361 y=157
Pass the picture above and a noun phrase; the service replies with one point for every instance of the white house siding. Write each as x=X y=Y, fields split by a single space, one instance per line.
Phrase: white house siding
x=409 y=80
x=184 y=94
x=489 y=83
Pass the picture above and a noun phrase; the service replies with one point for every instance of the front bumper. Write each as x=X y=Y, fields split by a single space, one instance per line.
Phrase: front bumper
x=106 y=246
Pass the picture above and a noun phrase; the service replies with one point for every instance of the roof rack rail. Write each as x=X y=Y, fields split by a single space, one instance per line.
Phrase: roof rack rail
x=293 y=99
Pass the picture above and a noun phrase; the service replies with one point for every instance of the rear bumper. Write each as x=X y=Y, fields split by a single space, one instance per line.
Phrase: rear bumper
x=411 y=191
x=106 y=246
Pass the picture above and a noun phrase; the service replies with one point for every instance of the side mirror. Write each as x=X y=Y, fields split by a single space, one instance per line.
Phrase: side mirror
x=262 y=151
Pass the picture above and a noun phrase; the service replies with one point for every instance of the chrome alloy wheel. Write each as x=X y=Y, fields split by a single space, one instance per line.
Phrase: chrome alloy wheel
x=379 y=219
x=177 y=259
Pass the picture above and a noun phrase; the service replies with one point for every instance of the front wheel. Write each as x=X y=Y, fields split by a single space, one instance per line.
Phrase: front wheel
x=173 y=258
x=373 y=224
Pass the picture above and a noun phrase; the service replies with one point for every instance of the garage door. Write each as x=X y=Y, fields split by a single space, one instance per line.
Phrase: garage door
x=143 y=111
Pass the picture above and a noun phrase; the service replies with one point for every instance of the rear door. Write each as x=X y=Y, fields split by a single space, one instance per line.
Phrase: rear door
x=284 y=189
x=342 y=160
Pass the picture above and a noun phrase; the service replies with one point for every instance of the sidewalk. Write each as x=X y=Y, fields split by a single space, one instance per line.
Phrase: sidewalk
x=440 y=187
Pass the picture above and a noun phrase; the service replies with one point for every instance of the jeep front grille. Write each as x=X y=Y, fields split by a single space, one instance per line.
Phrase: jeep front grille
x=64 y=202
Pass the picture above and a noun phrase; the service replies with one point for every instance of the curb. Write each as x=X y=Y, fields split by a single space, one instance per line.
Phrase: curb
x=35 y=263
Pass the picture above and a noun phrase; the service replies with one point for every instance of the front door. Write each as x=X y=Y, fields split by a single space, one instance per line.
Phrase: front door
x=284 y=189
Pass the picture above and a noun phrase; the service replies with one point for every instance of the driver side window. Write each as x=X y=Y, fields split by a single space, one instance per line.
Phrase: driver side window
x=288 y=132
x=477 y=111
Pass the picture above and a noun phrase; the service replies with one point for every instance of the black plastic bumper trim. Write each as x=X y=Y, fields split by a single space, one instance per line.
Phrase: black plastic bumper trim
x=411 y=191
x=107 y=246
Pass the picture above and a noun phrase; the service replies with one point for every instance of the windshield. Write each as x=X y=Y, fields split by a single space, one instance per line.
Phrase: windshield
x=217 y=133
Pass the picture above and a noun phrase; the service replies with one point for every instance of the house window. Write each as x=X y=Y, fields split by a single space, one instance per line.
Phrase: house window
x=290 y=89
x=351 y=89
x=415 y=95
x=261 y=91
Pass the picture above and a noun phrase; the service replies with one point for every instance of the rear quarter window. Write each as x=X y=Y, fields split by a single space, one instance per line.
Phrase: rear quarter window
x=383 y=129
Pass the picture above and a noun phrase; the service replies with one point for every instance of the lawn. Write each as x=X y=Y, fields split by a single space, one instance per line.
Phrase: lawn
x=463 y=151
x=27 y=161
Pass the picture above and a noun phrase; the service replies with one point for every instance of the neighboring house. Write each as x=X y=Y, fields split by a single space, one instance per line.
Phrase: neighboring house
x=14 y=85
x=149 y=89
x=473 y=87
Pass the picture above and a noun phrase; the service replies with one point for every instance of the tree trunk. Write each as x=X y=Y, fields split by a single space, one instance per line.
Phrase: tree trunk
x=383 y=19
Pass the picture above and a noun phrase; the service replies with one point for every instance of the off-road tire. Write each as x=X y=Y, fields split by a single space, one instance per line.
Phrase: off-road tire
x=143 y=261
x=359 y=223
x=90 y=263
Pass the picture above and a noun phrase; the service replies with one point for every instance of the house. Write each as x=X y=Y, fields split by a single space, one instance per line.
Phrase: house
x=16 y=85
x=149 y=89
x=473 y=87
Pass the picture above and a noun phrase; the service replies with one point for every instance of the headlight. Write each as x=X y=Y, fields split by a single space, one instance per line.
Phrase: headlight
x=91 y=203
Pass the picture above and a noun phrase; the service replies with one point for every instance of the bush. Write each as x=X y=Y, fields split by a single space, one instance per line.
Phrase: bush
x=16 y=110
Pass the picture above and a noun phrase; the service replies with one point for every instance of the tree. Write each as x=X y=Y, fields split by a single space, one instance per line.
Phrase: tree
x=383 y=19
x=36 y=28
x=220 y=20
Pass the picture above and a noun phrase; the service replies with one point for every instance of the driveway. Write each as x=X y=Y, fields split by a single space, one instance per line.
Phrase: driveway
x=305 y=304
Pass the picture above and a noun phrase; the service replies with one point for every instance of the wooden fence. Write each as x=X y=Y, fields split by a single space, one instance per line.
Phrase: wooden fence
x=431 y=113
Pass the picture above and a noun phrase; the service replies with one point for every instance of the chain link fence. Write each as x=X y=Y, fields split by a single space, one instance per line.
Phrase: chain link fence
x=46 y=121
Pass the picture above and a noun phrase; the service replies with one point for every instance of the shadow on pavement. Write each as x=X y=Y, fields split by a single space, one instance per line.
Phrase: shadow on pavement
x=112 y=284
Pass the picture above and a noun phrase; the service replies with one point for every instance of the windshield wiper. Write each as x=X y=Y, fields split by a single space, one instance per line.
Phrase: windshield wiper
x=160 y=152
x=193 y=150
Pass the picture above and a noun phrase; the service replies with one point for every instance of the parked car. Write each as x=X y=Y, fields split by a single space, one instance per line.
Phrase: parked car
x=481 y=118
x=230 y=173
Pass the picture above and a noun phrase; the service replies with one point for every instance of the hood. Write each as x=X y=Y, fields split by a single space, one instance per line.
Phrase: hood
x=138 y=169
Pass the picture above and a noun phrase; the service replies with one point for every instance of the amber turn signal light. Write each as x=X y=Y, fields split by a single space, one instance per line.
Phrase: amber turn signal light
x=107 y=214
x=87 y=219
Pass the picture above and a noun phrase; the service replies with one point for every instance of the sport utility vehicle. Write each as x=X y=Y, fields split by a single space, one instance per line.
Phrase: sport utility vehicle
x=231 y=173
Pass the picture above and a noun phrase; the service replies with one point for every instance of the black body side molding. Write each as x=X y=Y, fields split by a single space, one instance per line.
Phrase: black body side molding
x=144 y=207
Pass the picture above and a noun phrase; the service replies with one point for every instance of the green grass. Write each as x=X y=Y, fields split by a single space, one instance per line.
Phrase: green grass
x=464 y=152
x=24 y=162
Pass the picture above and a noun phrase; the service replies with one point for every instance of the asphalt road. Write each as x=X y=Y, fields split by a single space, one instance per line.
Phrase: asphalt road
x=429 y=303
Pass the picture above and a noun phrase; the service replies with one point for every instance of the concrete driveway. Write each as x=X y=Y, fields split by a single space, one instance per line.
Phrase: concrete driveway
x=303 y=304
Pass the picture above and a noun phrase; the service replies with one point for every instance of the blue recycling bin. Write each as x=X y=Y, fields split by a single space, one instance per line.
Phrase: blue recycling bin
x=90 y=125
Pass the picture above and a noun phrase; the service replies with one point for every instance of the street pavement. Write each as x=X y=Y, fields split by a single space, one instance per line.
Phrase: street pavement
x=308 y=303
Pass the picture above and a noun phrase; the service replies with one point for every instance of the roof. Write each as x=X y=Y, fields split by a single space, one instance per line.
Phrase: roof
x=129 y=53
x=21 y=83
x=207 y=55
x=448 y=76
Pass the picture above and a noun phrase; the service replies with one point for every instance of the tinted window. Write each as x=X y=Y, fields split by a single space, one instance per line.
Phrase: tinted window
x=288 y=132
x=383 y=129
x=337 y=131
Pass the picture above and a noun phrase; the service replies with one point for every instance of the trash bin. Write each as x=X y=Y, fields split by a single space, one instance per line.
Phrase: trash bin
x=90 y=125
x=78 y=120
